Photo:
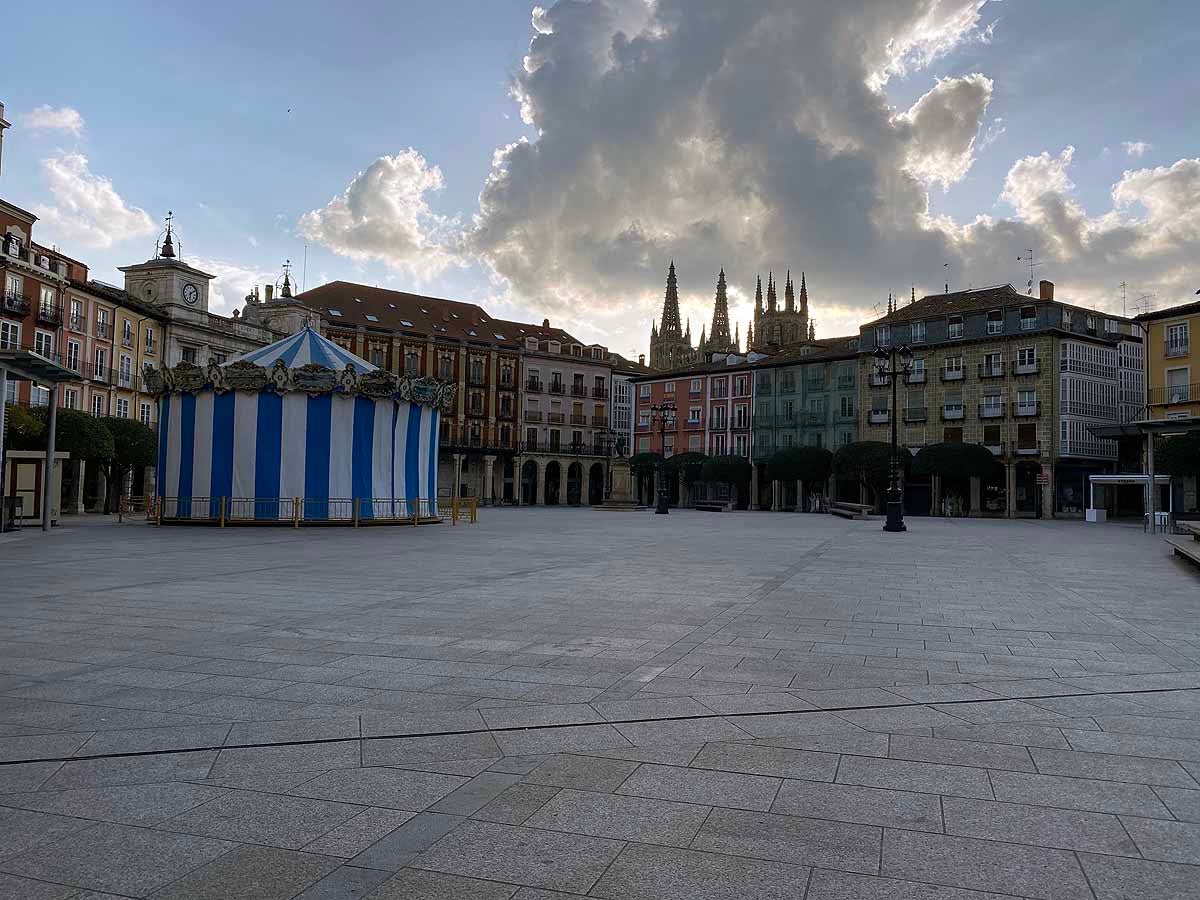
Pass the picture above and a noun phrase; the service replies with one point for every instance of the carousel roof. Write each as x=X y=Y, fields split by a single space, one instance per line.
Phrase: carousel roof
x=303 y=347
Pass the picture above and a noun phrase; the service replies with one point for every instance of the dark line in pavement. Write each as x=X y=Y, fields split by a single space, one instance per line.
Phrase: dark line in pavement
x=520 y=728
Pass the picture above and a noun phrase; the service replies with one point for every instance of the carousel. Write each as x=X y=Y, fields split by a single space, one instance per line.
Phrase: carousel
x=298 y=432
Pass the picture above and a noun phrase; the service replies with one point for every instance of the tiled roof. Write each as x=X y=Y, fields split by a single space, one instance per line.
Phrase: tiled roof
x=352 y=305
x=623 y=366
x=819 y=350
x=934 y=306
x=119 y=296
x=1186 y=309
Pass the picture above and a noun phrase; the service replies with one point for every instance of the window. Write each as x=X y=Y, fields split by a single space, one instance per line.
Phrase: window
x=644 y=445
x=43 y=343
x=1091 y=324
x=697 y=386
x=10 y=337
x=1026 y=402
x=76 y=323
x=995 y=322
x=127 y=332
x=1177 y=339
x=918 y=369
x=377 y=358
x=555 y=439
x=668 y=445
x=336 y=313
x=188 y=354
x=993 y=405
x=122 y=408
x=476 y=370
x=669 y=389
x=506 y=374
x=644 y=419
x=741 y=445
x=720 y=388
x=125 y=372
x=371 y=318
x=144 y=415
x=694 y=415
x=954 y=328
x=741 y=386
x=71 y=398
x=97 y=404
x=883 y=335
x=12 y=285
x=149 y=338
x=445 y=367
x=100 y=363
x=847 y=408
x=102 y=323
x=10 y=392
x=918 y=332
x=953 y=366
x=1029 y=318
x=720 y=445
x=717 y=417
x=695 y=443
x=991 y=437
x=1066 y=319
x=219 y=358
x=1178 y=389
x=39 y=396
x=952 y=435
x=993 y=364
x=644 y=391
x=412 y=362
x=741 y=416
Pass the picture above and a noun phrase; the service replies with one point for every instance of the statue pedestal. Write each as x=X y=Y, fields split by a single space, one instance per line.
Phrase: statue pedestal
x=621 y=497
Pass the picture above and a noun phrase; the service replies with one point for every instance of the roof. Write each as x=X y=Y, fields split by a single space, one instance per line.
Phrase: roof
x=623 y=366
x=119 y=296
x=817 y=350
x=1170 y=312
x=936 y=305
x=302 y=348
x=704 y=368
x=344 y=303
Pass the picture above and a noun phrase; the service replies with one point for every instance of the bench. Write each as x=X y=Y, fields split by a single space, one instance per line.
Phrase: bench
x=1188 y=549
x=850 y=510
x=713 y=506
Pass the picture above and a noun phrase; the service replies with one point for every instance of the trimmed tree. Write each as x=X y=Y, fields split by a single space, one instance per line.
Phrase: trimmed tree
x=689 y=467
x=808 y=465
x=83 y=436
x=866 y=463
x=954 y=460
x=1179 y=455
x=133 y=445
x=643 y=466
x=26 y=429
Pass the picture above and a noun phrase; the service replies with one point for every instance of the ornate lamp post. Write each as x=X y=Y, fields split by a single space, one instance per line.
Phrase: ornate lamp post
x=885 y=367
x=664 y=413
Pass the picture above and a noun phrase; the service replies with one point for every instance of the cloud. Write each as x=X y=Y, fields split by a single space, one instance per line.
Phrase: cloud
x=233 y=281
x=383 y=215
x=47 y=118
x=87 y=208
x=943 y=125
x=1136 y=149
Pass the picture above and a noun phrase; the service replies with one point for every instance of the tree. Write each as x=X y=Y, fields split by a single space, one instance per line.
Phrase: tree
x=26 y=429
x=866 y=463
x=690 y=464
x=954 y=460
x=1179 y=455
x=83 y=436
x=133 y=445
x=807 y=464
x=643 y=466
x=732 y=470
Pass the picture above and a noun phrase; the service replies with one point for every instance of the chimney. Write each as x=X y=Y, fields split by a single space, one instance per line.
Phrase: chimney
x=269 y=290
x=1045 y=290
x=641 y=359
x=545 y=323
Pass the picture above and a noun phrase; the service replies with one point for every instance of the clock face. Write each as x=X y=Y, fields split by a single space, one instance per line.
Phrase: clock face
x=190 y=294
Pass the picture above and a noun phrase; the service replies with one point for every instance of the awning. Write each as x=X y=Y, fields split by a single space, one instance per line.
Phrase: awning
x=1146 y=426
x=26 y=365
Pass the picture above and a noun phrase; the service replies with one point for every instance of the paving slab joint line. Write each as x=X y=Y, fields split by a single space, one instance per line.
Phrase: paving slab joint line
x=524 y=728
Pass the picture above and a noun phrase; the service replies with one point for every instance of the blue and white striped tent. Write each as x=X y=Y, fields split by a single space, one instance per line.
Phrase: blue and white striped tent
x=261 y=448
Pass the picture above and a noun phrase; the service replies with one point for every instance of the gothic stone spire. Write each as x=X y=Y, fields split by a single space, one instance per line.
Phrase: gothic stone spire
x=718 y=335
x=789 y=294
x=772 y=302
x=671 y=327
x=803 y=296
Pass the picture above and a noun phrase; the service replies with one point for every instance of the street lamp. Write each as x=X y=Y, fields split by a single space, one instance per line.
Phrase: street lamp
x=885 y=367
x=664 y=413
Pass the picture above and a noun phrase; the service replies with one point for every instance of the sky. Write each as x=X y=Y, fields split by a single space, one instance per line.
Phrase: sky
x=550 y=161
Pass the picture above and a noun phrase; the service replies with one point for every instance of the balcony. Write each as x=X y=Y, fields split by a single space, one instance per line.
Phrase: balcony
x=915 y=414
x=506 y=384
x=1172 y=393
x=814 y=384
x=996 y=449
x=533 y=415
x=1029 y=368
x=15 y=304
x=50 y=314
x=102 y=330
x=579 y=390
x=127 y=342
x=578 y=419
x=952 y=374
x=555 y=418
x=1024 y=410
x=533 y=386
x=557 y=387
x=787 y=387
x=100 y=373
x=845 y=382
x=915 y=377
x=813 y=419
x=477 y=380
x=600 y=392
x=1029 y=449
x=476 y=411
x=506 y=412
x=991 y=370
x=878 y=380
x=76 y=323
x=600 y=421
x=991 y=410
x=879 y=416
x=952 y=412
x=763 y=387
x=1177 y=349
x=150 y=348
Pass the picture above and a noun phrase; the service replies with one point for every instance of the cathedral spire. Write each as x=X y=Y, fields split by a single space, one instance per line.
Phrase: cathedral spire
x=772 y=301
x=737 y=338
x=914 y=294
x=789 y=295
x=718 y=335
x=758 y=297
x=749 y=337
x=812 y=330
x=803 y=296
x=671 y=326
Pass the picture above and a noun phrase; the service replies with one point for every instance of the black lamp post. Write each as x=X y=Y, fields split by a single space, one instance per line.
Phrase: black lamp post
x=885 y=367
x=664 y=413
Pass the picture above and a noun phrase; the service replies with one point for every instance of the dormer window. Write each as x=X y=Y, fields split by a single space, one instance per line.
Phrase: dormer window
x=336 y=313
x=995 y=322
x=555 y=347
x=954 y=327
x=406 y=323
x=371 y=318
x=499 y=337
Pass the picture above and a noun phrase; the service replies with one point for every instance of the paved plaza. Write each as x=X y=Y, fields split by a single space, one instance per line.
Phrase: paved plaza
x=565 y=703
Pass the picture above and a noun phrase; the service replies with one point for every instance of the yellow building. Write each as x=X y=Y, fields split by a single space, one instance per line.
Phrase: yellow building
x=1172 y=361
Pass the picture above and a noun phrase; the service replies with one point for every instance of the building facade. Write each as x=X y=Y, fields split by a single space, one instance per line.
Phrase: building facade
x=1172 y=361
x=1023 y=376
x=775 y=327
x=623 y=390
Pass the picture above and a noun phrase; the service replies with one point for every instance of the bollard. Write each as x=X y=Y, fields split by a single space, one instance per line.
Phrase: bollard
x=355 y=502
x=223 y=499
x=295 y=512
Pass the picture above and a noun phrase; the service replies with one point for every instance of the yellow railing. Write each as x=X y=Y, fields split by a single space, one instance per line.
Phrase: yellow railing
x=463 y=508
x=297 y=511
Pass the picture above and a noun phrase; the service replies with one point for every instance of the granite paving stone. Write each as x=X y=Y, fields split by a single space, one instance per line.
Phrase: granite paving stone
x=345 y=883
x=521 y=856
x=828 y=885
x=584 y=773
x=1078 y=793
x=131 y=804
x=816 y=842
x=756 y=759
x=188 y=766
x=28 y=889
x=1163 y=840
x=642 y=872
x=271 y=819
x=1115 y=878
x=1184 y=804
x=22 y=829
x=517 y=804
x=400 y=846
x=355 y=835
x=864 y=805
x=467 y=799
x=415 y=884
x=622 y=818
x=930 y=778
x=285 y=758
x=382 y=786
x=1113 y=767
x=731 y=789
x=251 y=873
x=963 y=753
x=1020 y=823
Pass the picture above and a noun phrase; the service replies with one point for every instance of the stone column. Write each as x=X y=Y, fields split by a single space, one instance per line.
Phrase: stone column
x=458 y=458
x=80 y=481
x=976 y=489
x=775 y=492
x=518 y=465
x=754 y=487
x=489 y=491
x=48 y=480
x=935 y=500
x=1010 y=490
x=799 y=495
x=1048 y=492
x=539 y=498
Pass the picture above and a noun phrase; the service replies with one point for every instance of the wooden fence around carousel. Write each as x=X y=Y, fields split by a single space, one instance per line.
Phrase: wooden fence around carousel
x=297 y=511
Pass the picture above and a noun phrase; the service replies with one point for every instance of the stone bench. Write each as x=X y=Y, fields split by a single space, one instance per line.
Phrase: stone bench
x=849 y=510
x=713 y=506
x=1188 y=549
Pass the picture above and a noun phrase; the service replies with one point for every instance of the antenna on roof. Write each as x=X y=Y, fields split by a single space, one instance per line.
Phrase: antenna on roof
x=1027 y=256
x=1123 y=286
x=1144 y=303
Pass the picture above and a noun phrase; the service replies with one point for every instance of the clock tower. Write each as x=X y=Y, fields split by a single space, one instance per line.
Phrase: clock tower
x=167 y=281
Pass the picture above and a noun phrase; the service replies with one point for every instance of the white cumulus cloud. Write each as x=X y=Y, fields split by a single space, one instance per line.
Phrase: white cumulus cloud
x=383 y=215
x=1136 y=149
x=87 y=209
x=944 y=124
x=47 y=118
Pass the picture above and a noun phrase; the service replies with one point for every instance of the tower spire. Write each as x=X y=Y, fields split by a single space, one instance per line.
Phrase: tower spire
x=772 y=301
x=803 y=297
x=719 y=339
x=914 y=294
x=812 y=330
x=789 y=294
x=671 y=326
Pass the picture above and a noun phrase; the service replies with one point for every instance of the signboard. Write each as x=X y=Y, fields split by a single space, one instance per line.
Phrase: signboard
x=1043 y=477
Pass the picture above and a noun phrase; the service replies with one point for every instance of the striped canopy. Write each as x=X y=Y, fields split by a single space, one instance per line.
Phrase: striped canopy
x=303 y=347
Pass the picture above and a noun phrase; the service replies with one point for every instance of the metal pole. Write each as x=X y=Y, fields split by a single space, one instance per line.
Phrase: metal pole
x=1153 y=486
x=3 y=411
x=48 y=472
